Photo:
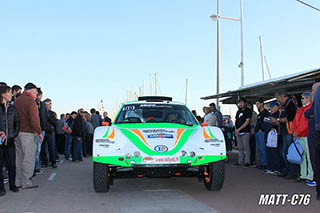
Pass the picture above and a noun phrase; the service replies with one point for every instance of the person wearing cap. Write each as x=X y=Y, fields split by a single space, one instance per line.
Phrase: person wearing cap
x=242 y=133
x=26 y=143
x=273 y=158
x=300 y=132
x=287 y=113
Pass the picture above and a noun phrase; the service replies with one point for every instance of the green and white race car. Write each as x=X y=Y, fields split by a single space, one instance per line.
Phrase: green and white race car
x=156 y=137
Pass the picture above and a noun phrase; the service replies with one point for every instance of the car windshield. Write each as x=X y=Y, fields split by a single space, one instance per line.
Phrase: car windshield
x=155 y=113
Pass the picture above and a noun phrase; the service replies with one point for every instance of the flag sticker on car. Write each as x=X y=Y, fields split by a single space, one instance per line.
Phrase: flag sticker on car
x=161 y=148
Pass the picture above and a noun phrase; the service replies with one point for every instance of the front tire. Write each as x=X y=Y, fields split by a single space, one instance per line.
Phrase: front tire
x=214 y=175
x=101 y=179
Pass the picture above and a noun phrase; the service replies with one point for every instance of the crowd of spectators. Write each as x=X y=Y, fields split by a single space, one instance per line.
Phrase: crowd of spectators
x=33 y=138
x=264 y=138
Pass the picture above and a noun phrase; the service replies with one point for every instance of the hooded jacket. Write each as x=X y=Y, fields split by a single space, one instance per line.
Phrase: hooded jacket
x=9 y=122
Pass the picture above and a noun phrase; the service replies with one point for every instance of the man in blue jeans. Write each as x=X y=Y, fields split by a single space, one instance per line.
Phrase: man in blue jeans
x=287 y=113
x=68 y=138
x=43 y=114
x=260 y=135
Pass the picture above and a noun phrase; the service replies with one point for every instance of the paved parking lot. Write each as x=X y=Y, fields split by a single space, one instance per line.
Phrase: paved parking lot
x=69 y=189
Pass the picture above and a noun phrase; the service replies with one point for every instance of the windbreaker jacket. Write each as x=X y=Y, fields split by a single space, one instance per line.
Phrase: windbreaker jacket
x=10 y=124
x=300 y=122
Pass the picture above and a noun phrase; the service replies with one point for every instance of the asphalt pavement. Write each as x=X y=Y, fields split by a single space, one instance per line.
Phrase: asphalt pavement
x=69 y=188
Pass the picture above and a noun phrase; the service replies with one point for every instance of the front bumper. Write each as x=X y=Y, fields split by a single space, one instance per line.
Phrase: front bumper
x=187 y=161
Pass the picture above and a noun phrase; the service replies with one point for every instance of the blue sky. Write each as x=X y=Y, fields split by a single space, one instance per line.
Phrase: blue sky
x=80 y=52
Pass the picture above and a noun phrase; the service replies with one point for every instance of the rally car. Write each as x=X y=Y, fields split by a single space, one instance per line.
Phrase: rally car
x=156 y=137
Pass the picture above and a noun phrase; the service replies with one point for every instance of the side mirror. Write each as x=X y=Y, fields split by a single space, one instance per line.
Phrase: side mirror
x=204 y=124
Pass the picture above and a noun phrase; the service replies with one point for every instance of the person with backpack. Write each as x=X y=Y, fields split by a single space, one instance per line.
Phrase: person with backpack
x=287 y=113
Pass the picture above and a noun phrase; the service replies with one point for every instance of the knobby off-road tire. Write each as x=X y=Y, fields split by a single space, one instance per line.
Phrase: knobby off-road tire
x=214 y=175
x=101 y=180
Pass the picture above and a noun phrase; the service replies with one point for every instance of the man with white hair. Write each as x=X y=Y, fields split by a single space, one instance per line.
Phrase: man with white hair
x=300 y=131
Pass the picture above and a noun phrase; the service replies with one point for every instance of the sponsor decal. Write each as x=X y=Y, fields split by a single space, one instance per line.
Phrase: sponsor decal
x=129 y=108
x=104 y=141
x=161 y=160
x=147 y=159
x=104 y=145
x=156 y=106
x=161 y=148
x=157 y=131
x=160 y=136
x=213 y=140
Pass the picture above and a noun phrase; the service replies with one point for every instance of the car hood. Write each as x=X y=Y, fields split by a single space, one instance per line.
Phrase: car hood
x=158 y=137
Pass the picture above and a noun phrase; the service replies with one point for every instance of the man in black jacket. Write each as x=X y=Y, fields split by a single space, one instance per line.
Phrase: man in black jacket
x=77 y=134
x=49 y=139
x=43 y=114
x=9 y=127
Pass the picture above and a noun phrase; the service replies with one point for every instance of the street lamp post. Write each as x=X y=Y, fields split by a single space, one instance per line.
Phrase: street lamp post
x=217 y=18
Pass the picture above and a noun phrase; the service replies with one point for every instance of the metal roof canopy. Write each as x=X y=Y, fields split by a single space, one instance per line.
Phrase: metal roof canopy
x=294 y=84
